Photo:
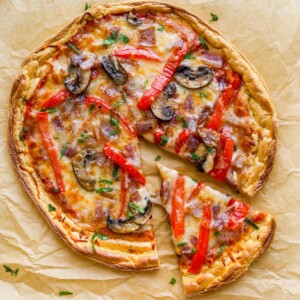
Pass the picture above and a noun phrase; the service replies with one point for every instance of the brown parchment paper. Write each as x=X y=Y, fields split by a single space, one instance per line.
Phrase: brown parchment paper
x=268 y=33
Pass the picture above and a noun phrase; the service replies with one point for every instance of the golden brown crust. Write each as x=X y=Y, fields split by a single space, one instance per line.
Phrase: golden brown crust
x=228 y=270
x=32 y=69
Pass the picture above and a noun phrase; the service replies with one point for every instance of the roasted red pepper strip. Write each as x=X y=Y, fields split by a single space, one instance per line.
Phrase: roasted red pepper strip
x=123 y=194
x=162 y=79
x=132 y=52
x=51 y=149
x=105 y=108
x=182 y=138
x=202 y=245
x=237 y=216
x=261 y=216
x=157 y=137
x=56 y=99
x=195 y=191
x=223 y=101
x=223 y=156
x=177 y=217
x=124 y=164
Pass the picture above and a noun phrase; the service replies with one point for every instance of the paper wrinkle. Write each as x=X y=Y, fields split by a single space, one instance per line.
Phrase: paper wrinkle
x=269 y=36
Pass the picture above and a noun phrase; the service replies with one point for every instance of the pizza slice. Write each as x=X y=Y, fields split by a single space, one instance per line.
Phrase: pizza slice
x=216 y=237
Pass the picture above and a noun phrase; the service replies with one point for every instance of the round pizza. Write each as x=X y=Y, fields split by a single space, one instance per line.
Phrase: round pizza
x=123 y=71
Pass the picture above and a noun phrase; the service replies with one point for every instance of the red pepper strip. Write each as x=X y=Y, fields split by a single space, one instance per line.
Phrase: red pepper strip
x=237 y=216
x=123 y=194
x=223 y=157
x=162 y=79
x=157 y=137
x=261 y=216
x=195 y=191
x=48 y=141
x=223 y=101
x=177 y=218
x=56 y=99
x=132 y=52
x=124 y=164
x=105 y=108
x=202 y=245
x=183 y=137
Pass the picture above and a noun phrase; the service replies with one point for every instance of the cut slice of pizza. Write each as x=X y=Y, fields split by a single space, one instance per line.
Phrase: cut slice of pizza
x=216 y=237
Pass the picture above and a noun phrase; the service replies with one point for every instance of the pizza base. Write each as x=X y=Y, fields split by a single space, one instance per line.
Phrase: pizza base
x=32 y=69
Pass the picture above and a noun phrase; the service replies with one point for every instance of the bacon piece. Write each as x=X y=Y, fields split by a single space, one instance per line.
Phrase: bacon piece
x=145 y=126
x=209 y=137
x=147 y=37
x=188 y=103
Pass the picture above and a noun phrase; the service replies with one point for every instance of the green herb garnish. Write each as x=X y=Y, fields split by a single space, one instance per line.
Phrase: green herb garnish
x=114 y=132
x=216 y=233
x=203 y=94
x=98 y=236
x=64 y=293
x=11 y=271
x=189 y=55
x=137 y=208
x=56 y=137
x=51 y=110
x=113 y=38
x=145 y=83
x=210 y=149
x=21 y=134
x=250 y=222
x=56 y=190
x=164 y=140
x=86 y=6
x=124 y=97
x=221 y=251
x=105 y=181
x=123 y=38
x=104 y=190
x=74 y=48
x=214 y=17
x=203 y=42
x=195 y=156
x=161 y=28
x=182 y=244
x=129 y=214
x=51 y=207
x=173 y=281
x=92 y=107
x=84 y=136
x=63 y=151
x=157 y=158
x=193 y=251
x=185 y=123
x=115 y=173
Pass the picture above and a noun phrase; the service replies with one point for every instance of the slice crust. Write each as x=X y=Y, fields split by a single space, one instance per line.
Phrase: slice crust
x=220 y=268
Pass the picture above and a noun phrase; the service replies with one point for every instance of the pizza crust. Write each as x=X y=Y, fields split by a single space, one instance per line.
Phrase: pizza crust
x=32 y=69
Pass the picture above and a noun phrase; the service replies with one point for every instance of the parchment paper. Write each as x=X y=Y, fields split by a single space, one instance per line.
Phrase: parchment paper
x=268 y=33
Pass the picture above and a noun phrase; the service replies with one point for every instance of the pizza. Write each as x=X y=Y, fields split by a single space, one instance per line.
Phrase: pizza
x=215 y=236
x=116 y=73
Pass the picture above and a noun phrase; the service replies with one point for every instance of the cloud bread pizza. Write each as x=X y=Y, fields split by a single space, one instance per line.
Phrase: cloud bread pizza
x=216 y=237
x=118 y=72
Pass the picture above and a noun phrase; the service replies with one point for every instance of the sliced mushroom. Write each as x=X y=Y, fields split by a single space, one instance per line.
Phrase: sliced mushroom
x=193 y=78
x=80 y=163
x=114 y=69
x=132 y=19
x=161 y=107
x=202 y=153
x=78 y=79
x=130 y=224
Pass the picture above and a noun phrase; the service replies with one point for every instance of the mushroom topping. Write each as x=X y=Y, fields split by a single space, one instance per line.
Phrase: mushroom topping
x=193 y=78
x=114 y=69
x=78 y=79
x=161 y=107
x=200 y=157
x=131 y=224
x=132 y=19
x=80 y=164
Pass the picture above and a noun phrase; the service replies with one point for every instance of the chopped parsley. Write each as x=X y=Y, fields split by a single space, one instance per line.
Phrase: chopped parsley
x=221 y=251
x=182 y=244
x=137 y=208
x=105 y=181
x=189 y=55
x=195 y=156
x=84 y=136
x=51 y=207
x=113 y=38
x=65 y=293
x=203 y=94
x=185 y=123
x=21 y=134
x=157 y=158
x=145 y=83
x=161 y=28
x=99 y=236
x=105 y=190
x=250 y=222
x=56 y=137
x=216 y=233
x=123 y=38
x=92 y=107
x=214 y=17
x=164 y=140
x=203 y=42
x=11 y=271
x=114 y=132
x=193 y=251
x=115 y=173
x=86 y=6
x=129 y=214
x=74 y=48
x=50 y=110
x=63 y=151
x=124 y=97
x=173 y=281
x=210 y=149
